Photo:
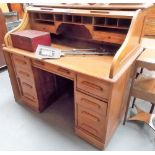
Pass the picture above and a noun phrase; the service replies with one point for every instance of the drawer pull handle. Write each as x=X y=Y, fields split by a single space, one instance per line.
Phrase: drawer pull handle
x=92 y=116
x=92 y=85
x=24 y=73
x=89 y=128
x=64 y=70
x=19 y=83
x=21 y=61
x=91 y=103
x=27 y=85
x=39 y=62
x=29 y=96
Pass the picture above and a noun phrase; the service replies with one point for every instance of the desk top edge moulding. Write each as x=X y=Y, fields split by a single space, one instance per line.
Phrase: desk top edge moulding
x=101 y=83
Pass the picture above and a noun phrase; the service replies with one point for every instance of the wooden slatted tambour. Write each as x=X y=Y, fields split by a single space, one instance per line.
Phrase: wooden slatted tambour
x=149 y=29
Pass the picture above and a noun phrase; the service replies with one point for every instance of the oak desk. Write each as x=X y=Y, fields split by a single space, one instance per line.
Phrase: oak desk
x=101 y=83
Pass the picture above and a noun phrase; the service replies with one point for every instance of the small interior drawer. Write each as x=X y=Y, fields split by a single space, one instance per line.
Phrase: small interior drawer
x=21 y=61
x=91 y=122
x=92 y=86
x=109 y=37
x=91 y=103
x=43 y=27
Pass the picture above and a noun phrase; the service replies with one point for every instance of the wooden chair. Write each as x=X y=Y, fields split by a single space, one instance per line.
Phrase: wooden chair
x=134 y=99
x=143 y=87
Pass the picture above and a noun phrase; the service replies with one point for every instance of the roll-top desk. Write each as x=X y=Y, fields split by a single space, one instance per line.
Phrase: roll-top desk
x=101 y=83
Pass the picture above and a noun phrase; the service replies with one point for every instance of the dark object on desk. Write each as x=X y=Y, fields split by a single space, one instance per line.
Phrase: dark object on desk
x=87 y=52
x=29 y=39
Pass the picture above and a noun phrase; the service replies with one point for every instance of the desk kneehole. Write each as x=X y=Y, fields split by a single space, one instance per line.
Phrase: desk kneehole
x=54 y=69
x=97 y=88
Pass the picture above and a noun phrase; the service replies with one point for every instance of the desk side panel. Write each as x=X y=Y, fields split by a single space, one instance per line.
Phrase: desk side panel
x=117 y=103
x=130 y=45
x=12 y=75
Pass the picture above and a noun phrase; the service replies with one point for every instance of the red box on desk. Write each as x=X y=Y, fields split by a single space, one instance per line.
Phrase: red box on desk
x=29 y=39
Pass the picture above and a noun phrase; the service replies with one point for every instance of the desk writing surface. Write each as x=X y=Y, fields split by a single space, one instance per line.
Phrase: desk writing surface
x=95 y=66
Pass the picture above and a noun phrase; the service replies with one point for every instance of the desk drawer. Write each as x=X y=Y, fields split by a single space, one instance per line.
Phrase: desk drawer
x=24 y=74
x=28 y=90
x=91 y=122
x=43 y=27
x=91 y=103
x=21 y=61
x=54 y=69
x=109 y=37
x=64 y=72
x=95 y=87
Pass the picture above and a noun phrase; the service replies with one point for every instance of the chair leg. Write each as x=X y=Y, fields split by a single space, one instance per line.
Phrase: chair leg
x=137 y=74
x=152 y=108
x=141 y=70
x=133 y=103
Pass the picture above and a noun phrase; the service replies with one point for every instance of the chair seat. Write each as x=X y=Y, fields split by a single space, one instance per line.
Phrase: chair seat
x=144 y=88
